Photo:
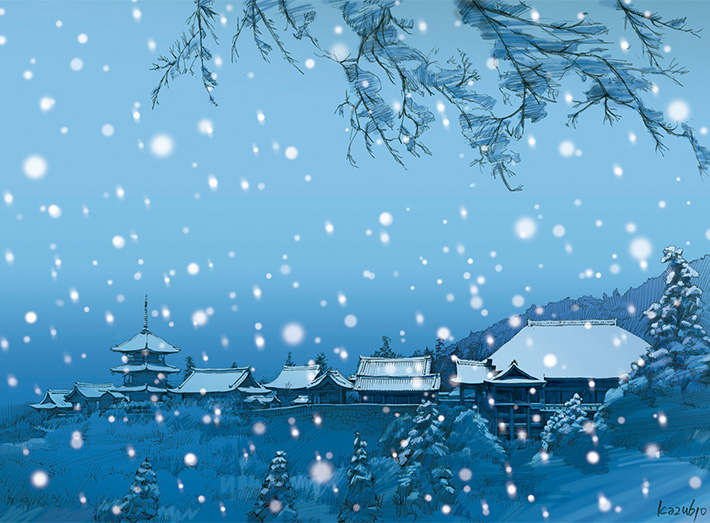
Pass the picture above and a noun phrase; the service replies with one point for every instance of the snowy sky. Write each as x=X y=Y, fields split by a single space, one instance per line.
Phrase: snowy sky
x=239 y=225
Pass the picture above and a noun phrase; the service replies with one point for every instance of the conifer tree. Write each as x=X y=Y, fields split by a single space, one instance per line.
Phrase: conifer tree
x=386 y=351
x=361 y=502
x=289 y=360
x=276 y=500
x=322 y=360
x=141 y=503
x=570 y=434
x=680 y=353
x=189 y=365
x=422 y=459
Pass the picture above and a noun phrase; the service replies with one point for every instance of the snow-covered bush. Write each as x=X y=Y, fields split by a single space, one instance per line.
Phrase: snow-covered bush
x=276 y=500
x=571 y=435
x=424 y=481
x=361 y=503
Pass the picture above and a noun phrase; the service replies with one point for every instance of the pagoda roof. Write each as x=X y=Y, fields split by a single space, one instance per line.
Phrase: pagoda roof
x=295 y=377
x=205 y=381
x=146 y=340
x=152 y=367
x=140 y=388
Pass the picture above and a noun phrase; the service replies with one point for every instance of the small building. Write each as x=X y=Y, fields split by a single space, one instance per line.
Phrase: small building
x=145 y=372
x=546 y=363
x=54 y=402
x=395 y=380
x=232 y=383
x=329 y=387
x=293 y=381
x=88 y=397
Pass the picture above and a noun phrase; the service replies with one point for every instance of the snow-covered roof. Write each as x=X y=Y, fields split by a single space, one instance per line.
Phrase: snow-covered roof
x=54 y=398
x=294 y=377
x=301 y=400
x=140 y=388
x=146 y=340
x=572 y=349
x=154 y=367
x=205 y=381
x=262 y=399
x=414 y=366
x=333 y=375
x=427 y=383
x=93 y=390
x=469 y=372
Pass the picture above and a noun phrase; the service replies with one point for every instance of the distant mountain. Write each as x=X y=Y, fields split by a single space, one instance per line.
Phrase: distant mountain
x=627 y=308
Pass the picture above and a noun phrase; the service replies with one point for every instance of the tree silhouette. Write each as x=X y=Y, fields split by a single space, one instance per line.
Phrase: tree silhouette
x=189 y=365
x=385 y=351
x=532 y=58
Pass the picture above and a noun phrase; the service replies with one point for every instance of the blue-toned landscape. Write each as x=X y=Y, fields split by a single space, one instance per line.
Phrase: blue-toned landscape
x=354 y=261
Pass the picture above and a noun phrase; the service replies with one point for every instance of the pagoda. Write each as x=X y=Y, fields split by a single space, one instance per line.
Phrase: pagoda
x=145 y=373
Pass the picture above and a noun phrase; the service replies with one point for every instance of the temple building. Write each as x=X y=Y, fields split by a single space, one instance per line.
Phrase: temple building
x=291 y=385
x=329 y=387
x=236 y=383
x=145 y=372
x=531 y=376
x=54 y=402
x=88 y=397
x=395 y=380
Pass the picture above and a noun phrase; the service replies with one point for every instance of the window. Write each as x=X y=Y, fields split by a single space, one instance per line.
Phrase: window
x=520 y=395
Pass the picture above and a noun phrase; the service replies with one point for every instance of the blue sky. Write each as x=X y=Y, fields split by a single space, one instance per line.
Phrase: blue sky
x=57 y=232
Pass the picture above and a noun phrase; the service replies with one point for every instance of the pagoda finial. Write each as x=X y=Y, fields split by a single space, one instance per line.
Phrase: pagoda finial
x=145 y=314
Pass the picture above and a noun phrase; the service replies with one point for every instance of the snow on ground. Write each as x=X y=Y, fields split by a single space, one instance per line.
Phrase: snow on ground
x=629 y=492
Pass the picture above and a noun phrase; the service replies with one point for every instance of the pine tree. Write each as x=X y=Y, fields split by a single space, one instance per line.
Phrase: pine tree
x=141 y=502
x=385 y=351
x=234 y=365
x=681 y=350
x=276 y=498
x=322 y=360
x=361 y=503
x=422 y=459
x=189 y=365
x=571 y=435
x=289 y=360
x=395 y=432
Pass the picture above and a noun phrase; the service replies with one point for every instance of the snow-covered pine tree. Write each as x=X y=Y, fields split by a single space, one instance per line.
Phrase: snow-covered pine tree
x=361 y=503
x=141 y=503
x=571 y=435
x=394 y=434
x=276 y=500
x=681 y=350
x=423 y=471
x=472 y=436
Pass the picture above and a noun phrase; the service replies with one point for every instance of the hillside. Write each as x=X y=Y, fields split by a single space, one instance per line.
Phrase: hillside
x=627 y=308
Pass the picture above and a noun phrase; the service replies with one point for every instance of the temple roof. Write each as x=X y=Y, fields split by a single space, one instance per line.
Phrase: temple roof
x=334 y=376
x=414 y=366
x=469 y=372
x=203 y=381
x=294 y=377
x=428 y=383
x=573 y=349
x=93 y=390
x=54 y=398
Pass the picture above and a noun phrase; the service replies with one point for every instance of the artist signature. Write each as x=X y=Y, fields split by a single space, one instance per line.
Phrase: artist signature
x=681 y=510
